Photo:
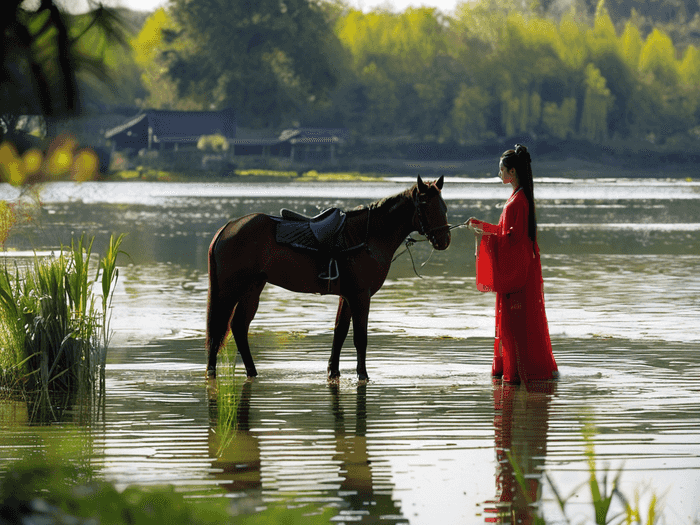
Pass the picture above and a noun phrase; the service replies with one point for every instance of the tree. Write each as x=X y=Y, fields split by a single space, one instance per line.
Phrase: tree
x=44 y=51
x=469 y=114
x=658 y=58
x=265 y=58
x=596 y=103
x=148 y=48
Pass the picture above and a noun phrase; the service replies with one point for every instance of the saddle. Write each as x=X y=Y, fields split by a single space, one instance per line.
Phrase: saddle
x=322 y=234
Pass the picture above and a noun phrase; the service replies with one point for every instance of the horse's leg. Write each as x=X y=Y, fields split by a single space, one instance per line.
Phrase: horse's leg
x=219 y=311
x=342 y=326
x=242 y=317
x=360 y=318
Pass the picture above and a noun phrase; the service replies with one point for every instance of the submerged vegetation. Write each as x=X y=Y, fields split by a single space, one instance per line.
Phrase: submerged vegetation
x=54 y=334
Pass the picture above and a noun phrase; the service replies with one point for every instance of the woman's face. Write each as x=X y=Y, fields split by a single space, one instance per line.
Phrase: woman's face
x=506 y=175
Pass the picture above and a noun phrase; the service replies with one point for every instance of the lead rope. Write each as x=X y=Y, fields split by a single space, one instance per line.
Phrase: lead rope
x=410 y=241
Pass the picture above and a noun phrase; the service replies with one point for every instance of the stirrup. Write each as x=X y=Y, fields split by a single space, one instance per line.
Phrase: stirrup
x=333 y=272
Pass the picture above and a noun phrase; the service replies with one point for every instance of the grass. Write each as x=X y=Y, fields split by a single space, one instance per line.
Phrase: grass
x=54 y=334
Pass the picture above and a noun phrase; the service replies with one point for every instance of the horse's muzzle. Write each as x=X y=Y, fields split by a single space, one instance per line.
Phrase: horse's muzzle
x=440 y=239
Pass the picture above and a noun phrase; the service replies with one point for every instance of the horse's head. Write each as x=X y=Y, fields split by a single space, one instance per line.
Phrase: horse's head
x=431 y=212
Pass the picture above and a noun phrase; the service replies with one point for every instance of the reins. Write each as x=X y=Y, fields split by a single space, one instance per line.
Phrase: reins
x=410 y=241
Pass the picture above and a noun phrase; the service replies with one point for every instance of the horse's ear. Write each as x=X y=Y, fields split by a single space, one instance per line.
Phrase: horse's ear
x=422 y=188
x=440 y=182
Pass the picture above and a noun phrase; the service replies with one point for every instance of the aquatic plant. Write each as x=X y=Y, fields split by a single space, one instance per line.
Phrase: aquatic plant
x=603 y=490
x=54 y=337
x=40 y=491
x=225 y=399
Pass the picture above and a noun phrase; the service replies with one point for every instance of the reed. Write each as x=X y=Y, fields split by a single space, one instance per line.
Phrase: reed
x=227 y=399
x=603 y=488
x=54 y=336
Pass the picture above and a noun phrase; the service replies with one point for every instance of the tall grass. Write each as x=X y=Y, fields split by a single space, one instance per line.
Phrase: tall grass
x=54 y=336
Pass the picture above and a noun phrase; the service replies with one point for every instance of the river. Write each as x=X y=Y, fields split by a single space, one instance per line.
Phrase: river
x=424 y=441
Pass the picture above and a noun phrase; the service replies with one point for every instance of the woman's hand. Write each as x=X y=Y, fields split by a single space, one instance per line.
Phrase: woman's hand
x=476 y=226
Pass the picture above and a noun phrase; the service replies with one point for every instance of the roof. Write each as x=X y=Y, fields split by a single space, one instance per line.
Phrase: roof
x=314 y=135
x=179 y=126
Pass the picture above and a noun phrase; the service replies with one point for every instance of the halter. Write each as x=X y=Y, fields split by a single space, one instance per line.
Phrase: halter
x=422 y=221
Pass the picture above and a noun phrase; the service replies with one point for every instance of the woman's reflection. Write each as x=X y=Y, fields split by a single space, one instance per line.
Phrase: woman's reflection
x=521 y=422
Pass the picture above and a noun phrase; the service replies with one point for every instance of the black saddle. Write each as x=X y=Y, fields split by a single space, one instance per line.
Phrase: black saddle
x=325 y=228
x=322 y=233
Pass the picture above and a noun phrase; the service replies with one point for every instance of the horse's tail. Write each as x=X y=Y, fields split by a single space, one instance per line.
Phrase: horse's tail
x=216 y=329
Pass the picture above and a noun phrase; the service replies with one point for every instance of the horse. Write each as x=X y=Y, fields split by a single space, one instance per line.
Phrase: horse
x=244 y=255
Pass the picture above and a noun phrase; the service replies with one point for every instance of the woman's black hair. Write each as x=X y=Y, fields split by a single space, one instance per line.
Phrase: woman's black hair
x=519 y=158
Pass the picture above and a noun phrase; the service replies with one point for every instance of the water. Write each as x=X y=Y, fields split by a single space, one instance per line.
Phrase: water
x=424 y=441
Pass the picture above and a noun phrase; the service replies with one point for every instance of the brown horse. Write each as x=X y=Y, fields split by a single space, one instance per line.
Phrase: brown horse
x=244 y=255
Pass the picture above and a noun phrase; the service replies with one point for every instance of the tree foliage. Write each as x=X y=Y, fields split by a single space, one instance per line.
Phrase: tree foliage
x=595 y=70
x=50 y=57
x=266 y=58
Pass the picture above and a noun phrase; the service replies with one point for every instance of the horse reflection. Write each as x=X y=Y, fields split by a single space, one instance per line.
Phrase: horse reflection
x=239 y=458
x=521 y=422
x=362 y=503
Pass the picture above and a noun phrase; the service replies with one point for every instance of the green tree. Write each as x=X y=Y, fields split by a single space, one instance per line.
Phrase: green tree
x=689 y=68
x=149 y=53
x=267 y=59
x=470 y=114
x=658 y=58
x=596 y=103
x=559 y=120
x=631 y=45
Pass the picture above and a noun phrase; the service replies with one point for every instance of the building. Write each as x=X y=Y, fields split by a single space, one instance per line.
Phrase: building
x=156 y=129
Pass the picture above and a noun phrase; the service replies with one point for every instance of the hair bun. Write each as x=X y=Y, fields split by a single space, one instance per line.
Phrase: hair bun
x=522 y=153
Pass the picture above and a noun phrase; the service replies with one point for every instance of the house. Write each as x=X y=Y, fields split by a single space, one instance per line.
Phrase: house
x=156 y=129
x=298 y=145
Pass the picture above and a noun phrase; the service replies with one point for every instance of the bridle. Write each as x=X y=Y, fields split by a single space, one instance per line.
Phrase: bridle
x=423 y=226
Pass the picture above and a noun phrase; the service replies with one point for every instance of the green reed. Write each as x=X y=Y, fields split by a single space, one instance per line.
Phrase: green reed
x=227 y=398
x=54 y=336
x=603 y=488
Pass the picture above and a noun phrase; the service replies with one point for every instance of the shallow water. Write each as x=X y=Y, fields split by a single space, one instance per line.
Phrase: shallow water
x=423 y=441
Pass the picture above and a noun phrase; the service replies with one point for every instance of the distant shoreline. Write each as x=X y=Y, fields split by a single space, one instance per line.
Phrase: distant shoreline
x=377 y=169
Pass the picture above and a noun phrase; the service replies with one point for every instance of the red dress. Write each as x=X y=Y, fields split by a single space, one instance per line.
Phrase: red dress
x=522 y=349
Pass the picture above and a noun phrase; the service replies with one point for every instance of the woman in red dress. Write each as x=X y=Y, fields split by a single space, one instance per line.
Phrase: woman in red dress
x=508 y=263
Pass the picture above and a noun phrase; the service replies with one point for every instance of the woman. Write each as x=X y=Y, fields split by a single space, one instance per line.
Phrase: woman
x=508 y=262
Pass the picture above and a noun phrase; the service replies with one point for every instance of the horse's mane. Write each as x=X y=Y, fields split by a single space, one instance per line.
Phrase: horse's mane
x=385 y=202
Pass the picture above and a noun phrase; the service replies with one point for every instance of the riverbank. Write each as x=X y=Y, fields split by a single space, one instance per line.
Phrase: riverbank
x=378 y=169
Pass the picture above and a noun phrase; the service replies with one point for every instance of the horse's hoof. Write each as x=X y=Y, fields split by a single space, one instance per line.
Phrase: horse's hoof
x=250 y=379
x=211 y=373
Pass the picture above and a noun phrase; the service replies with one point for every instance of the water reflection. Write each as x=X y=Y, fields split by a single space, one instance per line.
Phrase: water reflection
x=362 y=503
x=242 y=466
x=521 y=423
x=237 y=462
